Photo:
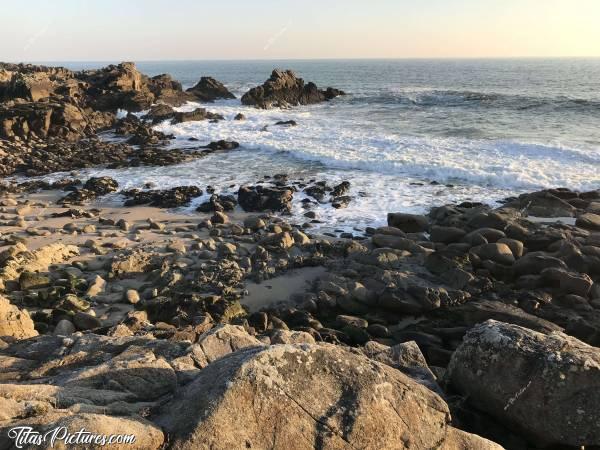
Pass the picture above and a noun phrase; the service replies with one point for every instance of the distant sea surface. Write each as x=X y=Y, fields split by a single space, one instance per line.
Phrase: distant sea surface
x=411 y=133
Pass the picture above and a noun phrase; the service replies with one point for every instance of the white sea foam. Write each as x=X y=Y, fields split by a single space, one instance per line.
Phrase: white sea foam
x=334 y=142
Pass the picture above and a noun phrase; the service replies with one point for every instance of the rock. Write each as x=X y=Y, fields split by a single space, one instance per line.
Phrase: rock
x=534 y=263
x=84 y=321
x=356 y=403
x=397 y=243
x=132 y=296
x=490 y=235
x=239 y=116
x=283 y=89
x=407 y=358
x=160 y=113
x=64 y=328
x=278 y=241
x=14 y=322
x=101 y=185
x=254 y=223
x=33 y=86
x=496 y=252
x=292 y=337
x=543 y=204
x=516 y=246
x=36 y=261
x=589 y=221
x=147 y=436
x=223 y=145
x=552 y=398
x=223 y=340
x=168 y=198
x=568 y=282
x=33 y=280
x=291 y=123
x=219 y=217
x=477 y=311
x=208 y=90
x=96 y=287
x=259 y=199
x=414 y=300
x=196 y=115
x=446 y=235
x=461 y=440
x=44 y=120
x=119 y=86
x=409 y=223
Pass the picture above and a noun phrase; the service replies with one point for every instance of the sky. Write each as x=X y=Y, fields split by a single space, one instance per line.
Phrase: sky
x=139 y=30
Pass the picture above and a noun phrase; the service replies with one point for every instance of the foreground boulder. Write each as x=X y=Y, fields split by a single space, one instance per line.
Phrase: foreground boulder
x=305 y=397
x=546 y=386
x=208 y=90
x=284 y=89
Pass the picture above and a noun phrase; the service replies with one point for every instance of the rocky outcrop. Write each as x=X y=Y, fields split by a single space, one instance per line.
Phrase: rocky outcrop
x=208 y=90
x=547 y=386
x=50 y=119
x=276 y=394
x=15 y=323
x=284 y=89
x=119 y=86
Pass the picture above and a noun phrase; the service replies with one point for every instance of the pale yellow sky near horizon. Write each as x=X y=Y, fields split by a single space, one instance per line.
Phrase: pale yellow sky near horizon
x=67 y=30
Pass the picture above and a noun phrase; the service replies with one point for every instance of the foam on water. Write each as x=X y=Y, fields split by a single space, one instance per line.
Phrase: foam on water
x=490 y=128
x=388 y=171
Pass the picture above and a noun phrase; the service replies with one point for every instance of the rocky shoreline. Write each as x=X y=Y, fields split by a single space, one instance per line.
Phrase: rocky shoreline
x=235 y=328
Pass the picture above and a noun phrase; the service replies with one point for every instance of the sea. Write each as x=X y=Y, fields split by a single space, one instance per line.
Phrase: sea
x=410 y=134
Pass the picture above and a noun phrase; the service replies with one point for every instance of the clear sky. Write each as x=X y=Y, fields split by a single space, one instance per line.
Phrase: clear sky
x=106 y=30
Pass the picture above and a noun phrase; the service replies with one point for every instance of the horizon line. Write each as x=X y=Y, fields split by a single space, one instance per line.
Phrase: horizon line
x=401 y=58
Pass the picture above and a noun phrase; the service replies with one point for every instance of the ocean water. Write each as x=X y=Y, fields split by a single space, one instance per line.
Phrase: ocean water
x=411 y=133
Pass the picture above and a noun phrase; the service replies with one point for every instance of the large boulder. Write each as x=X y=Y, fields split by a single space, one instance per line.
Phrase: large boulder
x=208 y=90
x=14 y=322
x=285 y=89
x=305 y=397
x=545 y=385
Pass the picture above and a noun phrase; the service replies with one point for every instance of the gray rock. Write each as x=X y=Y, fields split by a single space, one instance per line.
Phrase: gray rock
x=546 y=386
x=275 y=392
x=409 y=223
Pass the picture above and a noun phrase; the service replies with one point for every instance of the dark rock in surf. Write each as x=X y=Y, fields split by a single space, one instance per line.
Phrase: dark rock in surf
x=208 y=90
x=259 y=198
x=284 y=89
x=195 y=115
x=168 y=198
